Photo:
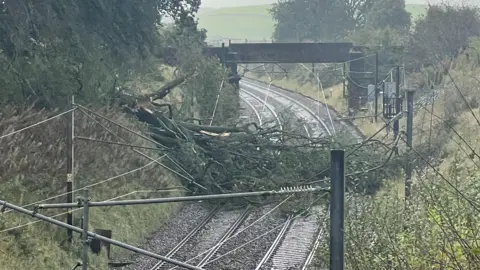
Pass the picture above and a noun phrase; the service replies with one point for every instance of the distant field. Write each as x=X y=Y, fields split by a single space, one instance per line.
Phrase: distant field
x=248 y=22
x=251 y=22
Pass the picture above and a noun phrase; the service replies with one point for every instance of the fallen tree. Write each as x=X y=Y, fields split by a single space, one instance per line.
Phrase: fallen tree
x=245 y=156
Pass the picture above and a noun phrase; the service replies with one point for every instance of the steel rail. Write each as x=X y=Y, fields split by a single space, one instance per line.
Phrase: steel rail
x=275 y=243
x=253 y=108
x=296 y=102
x=264 y=101
x=309 y=259
x=268 y=106
x=225 y=236
x=189 y=236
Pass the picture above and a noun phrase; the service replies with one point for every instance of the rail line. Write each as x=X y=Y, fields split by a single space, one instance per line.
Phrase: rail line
x=269 y=107
x=275 y=244
x=295 y=245
x=204 y=261
x=297 y=239
x=187 y=238
x=315 y=122
x=242 y=97
x=252 y=100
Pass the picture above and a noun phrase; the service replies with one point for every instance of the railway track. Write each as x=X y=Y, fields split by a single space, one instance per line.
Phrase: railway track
x=225 y=236
x=187 y=238
x=269 y=117
x=291 y=242
x=295 y=243
x=315 y=126
x=211 y=247
x=275 y=244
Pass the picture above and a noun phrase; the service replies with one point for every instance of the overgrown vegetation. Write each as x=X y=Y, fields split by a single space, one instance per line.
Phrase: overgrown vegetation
x=33 y=169
x=97 y=51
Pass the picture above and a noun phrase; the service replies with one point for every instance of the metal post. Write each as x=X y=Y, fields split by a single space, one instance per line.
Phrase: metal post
x=337 y=209
x=70 y=164
x=408 y=167
x=376 y=86
x=86 y=243
x=344 y=85
x=397 y=102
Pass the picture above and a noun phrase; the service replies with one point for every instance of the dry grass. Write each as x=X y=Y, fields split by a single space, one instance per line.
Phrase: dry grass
x=33 y=167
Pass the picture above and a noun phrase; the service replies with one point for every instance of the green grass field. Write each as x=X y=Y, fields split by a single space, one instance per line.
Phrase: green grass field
x=253 y=23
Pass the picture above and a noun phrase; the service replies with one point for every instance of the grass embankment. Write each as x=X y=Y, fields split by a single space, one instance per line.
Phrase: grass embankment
x=252 y=23
x=438 y=228
x=33 y=168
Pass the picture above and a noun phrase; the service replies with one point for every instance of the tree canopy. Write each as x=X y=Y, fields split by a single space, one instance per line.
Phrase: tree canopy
x=443 y=32
x=334 y=20
x=51 y=49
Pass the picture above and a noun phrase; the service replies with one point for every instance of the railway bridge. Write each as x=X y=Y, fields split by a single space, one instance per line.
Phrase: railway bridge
x=282 y=53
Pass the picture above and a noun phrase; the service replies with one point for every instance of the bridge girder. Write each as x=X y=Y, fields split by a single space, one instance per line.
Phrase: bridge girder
x=282 y=52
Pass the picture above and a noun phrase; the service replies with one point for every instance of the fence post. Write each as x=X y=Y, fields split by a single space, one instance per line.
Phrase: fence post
x=70 y=163
x=337 y=209
x=376 y=86
x=408 y=165
x=86 y=243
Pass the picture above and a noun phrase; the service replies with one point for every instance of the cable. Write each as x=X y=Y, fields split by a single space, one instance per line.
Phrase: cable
x=94 y=184
x=191 y=180
x=85 y=110
x=319 y=85
x=360 y=145
x=36 y=124
x=63 y=213
x=216 y=102
x=472 y=203
x=460 y=92
x=268 y=89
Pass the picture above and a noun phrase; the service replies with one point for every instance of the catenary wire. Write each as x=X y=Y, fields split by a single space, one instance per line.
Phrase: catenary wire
x=36 y=124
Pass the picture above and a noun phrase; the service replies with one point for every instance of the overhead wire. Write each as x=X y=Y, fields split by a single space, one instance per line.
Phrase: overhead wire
x=270 y=81
x=216 y=102
x=92 y=185
x=190 y=179
x=320 y=86
x=36 y=124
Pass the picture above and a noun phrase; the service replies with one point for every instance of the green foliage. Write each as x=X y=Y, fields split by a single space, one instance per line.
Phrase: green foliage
x=334 y=20
x=325 y=21
x=54 y=49
x=200 y=92
x=389 y=14
x=443 y=32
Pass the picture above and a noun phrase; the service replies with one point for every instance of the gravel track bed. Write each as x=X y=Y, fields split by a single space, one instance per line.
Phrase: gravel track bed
x=170 y=234
x=247 y=257
x=206 y=238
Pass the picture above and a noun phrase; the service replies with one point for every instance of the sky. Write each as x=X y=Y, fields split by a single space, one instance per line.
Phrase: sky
x=232 y=3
